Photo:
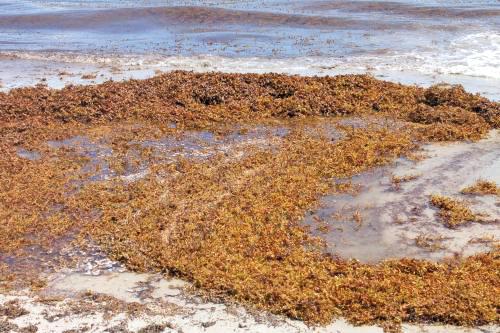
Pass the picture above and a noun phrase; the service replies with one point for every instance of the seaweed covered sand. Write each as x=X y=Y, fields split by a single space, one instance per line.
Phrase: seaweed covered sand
x=230 y=222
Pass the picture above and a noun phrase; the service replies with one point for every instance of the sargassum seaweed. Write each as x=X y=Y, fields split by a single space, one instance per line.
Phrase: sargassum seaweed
x=232 y=226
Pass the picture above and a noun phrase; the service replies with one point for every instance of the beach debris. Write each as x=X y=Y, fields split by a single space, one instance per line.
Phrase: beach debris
x=89 y=76
x=357 y=218
x=398 y=180
x=482 y=187
x=453 y=212
x=232 y=226
x=486 y=239
x=430 y=242
x=12 y=309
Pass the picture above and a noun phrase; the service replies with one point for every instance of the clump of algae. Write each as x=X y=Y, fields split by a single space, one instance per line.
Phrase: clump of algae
x=430 y=242
x=482 y=187
x=453 y=212
x=398 y=180
x=232 y=226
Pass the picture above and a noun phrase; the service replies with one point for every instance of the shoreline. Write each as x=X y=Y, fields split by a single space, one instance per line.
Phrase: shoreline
x=57 y=70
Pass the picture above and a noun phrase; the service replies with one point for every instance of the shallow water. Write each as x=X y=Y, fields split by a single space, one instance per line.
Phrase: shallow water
x=192 y=145
x=242 y=28
x=437 y=40
x=393 y=218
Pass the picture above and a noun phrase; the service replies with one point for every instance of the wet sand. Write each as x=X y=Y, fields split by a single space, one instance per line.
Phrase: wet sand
x=99 y=303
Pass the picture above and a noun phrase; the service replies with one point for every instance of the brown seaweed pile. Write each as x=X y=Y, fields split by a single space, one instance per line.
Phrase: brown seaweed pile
x=233 y=226
x=482 y=187
x=453 y=212
x=441 y=112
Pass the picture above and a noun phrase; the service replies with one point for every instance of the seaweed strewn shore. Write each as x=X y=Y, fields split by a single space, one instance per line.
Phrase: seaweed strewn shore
x=231 y=222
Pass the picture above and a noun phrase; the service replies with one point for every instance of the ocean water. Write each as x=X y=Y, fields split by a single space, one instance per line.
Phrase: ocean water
x=410 y=41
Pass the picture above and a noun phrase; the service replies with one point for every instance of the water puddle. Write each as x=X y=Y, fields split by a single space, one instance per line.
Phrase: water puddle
x=192 y=145
x=205 y=144
x=97 y=166
x=27 y=154
x=387 y=220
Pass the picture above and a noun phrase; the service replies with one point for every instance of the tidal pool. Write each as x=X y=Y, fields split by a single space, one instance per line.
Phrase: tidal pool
x=385 y=220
